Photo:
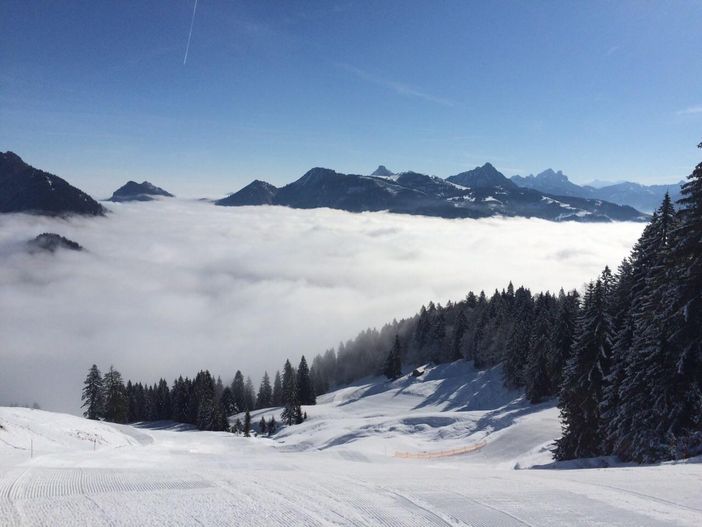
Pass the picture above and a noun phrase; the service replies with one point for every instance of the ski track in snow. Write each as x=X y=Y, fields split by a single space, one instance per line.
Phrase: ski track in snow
x=335 y=469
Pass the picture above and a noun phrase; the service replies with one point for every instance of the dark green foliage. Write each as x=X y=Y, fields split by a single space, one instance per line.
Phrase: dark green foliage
x=247 y=424
x=265 y=393
x=115 y=396
x=277 y=395
x=226 y=402
x=292 y=413
x=393 y=363
x=239 y=391
x=584 y=379
x=305 y=389
x=272 y=426
x=249 y=395
x=92 y=396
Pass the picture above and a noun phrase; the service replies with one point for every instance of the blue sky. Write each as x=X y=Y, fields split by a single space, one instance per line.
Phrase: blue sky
x=97 y=91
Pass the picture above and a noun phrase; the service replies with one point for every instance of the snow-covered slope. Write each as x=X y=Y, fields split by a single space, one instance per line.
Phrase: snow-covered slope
x=338 y=468
x=448 y=407
x=25 y=432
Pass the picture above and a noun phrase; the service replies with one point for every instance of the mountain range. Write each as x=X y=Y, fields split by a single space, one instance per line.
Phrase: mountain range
x=478 y=193
x=24 y=188
x=642 y=197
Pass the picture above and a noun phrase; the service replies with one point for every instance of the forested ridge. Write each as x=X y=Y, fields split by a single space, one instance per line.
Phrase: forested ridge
x=624 y=357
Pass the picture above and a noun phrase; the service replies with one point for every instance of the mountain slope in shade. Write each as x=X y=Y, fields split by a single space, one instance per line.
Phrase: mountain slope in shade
x=642 y=197
x=478 y=193
x=133 y=191
x=24 y=188
x=381 y=171
x=486 y=176
x=255 y=193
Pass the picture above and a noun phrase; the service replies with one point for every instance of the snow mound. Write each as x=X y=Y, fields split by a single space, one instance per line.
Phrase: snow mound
x=25 y=432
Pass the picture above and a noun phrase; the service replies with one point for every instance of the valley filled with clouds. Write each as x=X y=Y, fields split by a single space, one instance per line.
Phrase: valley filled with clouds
x=171 y=287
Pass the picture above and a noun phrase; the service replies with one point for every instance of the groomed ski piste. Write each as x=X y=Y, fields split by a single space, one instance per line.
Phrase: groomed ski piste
x=451 y=447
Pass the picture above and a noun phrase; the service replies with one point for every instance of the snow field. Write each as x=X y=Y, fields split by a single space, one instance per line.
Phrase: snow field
x=337 y=468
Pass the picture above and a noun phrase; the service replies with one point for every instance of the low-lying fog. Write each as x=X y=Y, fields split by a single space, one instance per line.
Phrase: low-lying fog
x=171 y=287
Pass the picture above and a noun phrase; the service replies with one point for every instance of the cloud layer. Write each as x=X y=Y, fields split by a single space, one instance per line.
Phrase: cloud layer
x=171 y=287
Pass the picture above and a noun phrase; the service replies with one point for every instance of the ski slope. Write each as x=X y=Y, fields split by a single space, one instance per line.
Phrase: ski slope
x=337 y=468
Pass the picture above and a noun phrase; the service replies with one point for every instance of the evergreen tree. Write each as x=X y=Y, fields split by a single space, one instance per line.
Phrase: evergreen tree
x=227 y=403
x=116 y=403
x=563 y=335
x=239 y=391
x=393 y=364
x=92 y=396
x=238 y=427
x=265 y=392
x=247 y=424
x=179 y=401
x=539 y=384
x=584 y=377
x=272 y=426
x=292 y=413
x=305 y=390
x=519 y=339
x=277 y=395
x=262 y=426
x=163 y=400
x=249 y=394
x=457 y=338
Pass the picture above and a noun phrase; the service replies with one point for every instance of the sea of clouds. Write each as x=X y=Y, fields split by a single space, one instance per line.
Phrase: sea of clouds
x=171 y=287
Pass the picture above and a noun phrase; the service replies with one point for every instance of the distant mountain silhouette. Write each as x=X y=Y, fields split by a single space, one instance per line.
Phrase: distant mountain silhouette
x=255 y=193
x=641 y=197
x=51 y=242
x=477 y=193
x=381 y=171
x=24 y=188
x=486 y=176
x=133 y=191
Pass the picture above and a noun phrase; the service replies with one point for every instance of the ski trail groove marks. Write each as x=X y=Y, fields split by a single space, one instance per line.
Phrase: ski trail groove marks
x=516 y=520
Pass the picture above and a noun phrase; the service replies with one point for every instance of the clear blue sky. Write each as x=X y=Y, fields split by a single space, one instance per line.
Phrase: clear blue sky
x=97 y=92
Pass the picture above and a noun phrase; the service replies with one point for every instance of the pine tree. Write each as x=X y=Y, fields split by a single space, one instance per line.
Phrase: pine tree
x=239 y=391
x=164 y=400
x=393 y=364
x=631 y=430
x=457 y=338
x=305 y=390
x=227 y=402
x=272 y=426
x=247 y=424
x=265 y=392
x=539 y=384
x=519 y=339
x=238 y=427
x=564 y=325
x=277 y=395
x=116 y=403
x=262 y=426
x=249 y=394
x=292 y=413
x=92 y=396
x=584 y=377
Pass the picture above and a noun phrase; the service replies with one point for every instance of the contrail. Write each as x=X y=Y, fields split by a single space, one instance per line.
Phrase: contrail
x=192 y=22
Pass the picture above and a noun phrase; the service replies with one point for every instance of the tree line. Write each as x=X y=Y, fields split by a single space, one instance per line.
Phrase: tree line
x=203 y=401
x=624 y=360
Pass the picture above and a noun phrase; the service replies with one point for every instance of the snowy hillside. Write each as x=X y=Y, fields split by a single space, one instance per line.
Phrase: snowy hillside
x=338 y=468
x=452 y=406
